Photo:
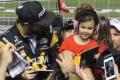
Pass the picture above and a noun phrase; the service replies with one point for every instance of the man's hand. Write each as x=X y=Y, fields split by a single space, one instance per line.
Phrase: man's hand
x=29 y=73
x=66 y=62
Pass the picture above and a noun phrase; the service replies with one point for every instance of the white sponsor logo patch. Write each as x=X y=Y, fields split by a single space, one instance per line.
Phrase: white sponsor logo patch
x=44 y=47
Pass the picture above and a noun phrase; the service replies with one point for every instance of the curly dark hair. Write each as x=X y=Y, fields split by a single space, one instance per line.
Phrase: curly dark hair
x=83 y=6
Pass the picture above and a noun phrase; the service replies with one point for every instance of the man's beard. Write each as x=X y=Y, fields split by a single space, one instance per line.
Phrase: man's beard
x=36 y=32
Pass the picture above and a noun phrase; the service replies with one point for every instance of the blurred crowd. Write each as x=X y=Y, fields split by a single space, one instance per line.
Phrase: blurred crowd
x=43 y=40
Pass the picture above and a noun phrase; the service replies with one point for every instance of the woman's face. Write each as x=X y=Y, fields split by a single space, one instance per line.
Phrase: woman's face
x=115 y=37
x=86 y=29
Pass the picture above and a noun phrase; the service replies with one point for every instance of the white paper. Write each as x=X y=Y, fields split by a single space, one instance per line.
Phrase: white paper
x=18 y=65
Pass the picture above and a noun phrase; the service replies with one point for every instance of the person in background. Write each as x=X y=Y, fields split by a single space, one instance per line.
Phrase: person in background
x=34 y=39
x=82 y=40
x=57 y=27
x=115 y=32
x=67 y=29
x=5 y=59
x=103 y=35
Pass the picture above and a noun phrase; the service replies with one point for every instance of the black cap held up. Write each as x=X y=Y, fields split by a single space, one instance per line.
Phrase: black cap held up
x=34 y=13
x=108 y=51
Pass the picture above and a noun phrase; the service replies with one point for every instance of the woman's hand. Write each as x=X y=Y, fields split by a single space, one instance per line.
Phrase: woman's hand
x=96 y=56
x=116 y=72
x=81 y=73
x=6 y=56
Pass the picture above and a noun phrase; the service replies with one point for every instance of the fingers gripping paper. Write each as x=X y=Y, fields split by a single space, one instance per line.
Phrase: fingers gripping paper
x=18 y=65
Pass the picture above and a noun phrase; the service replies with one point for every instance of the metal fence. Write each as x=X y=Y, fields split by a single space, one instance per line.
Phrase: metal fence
x=109 y=8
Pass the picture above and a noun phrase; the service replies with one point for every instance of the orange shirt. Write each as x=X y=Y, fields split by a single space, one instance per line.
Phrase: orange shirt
x=71 y=45
x=102 y=47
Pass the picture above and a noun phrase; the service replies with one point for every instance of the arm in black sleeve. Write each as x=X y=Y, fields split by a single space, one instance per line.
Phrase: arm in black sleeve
x=54 y=46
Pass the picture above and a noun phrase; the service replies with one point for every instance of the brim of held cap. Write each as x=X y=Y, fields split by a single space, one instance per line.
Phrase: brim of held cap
x=48 y=19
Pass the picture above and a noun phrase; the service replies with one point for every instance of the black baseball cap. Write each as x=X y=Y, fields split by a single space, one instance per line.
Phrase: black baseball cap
x=109 y=51
x=68 y=25
x=34 y=13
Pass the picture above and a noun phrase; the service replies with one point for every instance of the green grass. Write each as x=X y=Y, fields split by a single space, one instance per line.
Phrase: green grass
x=70 y=3
x=98 y=4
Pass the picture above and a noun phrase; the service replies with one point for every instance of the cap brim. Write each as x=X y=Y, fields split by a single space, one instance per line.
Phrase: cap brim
x=48 y=19
x=116 y=26
x=100 y=59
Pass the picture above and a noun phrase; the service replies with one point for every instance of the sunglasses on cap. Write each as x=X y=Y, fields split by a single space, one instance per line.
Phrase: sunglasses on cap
x=68 y=25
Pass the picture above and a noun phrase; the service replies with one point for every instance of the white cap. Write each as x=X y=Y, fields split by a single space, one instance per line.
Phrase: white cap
x=115 y=23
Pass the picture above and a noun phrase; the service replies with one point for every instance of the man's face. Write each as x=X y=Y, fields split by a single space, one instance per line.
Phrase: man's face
x=115 y=37
x=34 y=29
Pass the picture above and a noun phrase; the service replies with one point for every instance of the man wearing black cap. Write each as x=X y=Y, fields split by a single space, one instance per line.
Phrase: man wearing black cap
x=33 y=37
x=68 y=29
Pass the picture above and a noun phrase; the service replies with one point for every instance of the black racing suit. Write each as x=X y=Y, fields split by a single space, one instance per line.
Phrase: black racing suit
x=46 y=46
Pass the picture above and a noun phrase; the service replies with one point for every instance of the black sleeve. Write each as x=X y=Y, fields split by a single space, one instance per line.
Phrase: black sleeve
x=52 y=58
x=54 y=46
